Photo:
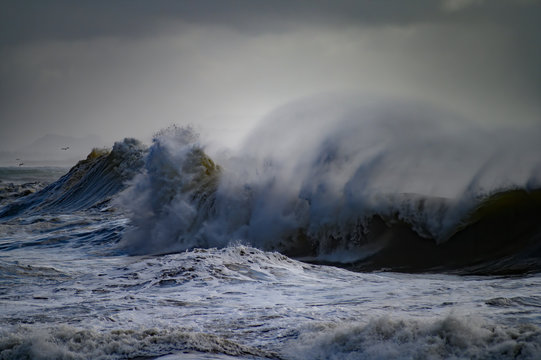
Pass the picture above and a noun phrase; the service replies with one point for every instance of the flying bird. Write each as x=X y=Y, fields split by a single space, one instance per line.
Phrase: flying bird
x=65 y=148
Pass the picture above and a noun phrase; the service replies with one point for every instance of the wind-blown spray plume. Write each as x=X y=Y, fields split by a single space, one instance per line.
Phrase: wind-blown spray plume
x=337 y=179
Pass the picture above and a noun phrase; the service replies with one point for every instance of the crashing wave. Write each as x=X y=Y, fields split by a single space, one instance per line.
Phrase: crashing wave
x=67 y=342
x=368 y=185
x=448 y=338
x=183 y=200
x=172 y=198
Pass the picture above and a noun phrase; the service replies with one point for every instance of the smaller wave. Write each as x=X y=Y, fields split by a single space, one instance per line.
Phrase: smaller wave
x=523 y=301
x=235 y=264
x=10 y=192
x=448 y=338
x=66 y=342
x=90 y=182
x=15 y=271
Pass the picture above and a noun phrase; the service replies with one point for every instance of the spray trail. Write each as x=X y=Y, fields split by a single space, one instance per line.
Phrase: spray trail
x=336 y=179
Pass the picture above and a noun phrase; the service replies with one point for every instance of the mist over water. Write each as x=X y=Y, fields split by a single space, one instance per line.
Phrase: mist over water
x=393 y=146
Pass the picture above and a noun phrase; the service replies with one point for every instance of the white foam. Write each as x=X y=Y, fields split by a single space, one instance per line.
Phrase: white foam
x=448 y=338
x=66 y=342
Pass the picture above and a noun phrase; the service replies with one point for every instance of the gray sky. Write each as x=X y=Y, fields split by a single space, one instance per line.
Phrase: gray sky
x=129 y=68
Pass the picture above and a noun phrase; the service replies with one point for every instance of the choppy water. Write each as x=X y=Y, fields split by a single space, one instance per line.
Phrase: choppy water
x=159 y=252
x=66 y=291
x=65 y=295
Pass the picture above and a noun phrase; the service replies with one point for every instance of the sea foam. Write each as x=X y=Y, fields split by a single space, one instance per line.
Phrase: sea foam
x=448 y=338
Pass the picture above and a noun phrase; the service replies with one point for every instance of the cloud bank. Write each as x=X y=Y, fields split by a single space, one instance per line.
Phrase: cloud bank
x=129 y=68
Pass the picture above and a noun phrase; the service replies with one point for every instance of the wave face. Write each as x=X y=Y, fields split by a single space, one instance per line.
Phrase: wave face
x=369 y=185
x=449 y=338
x=92 y=182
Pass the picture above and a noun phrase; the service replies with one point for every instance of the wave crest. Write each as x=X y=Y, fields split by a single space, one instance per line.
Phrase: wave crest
x=90 y=182
x=386 y=338
x=173 y=197
x=376 y=184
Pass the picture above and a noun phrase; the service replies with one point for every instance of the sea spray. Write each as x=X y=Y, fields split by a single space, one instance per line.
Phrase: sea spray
x=68 y=291
x=333 y=179
x=168 y=200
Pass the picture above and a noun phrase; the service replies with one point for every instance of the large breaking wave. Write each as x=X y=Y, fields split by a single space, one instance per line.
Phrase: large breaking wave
x=365 y=184
x=371 y=185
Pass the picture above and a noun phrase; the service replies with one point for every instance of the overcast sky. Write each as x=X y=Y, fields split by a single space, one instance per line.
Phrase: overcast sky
x=128 y=68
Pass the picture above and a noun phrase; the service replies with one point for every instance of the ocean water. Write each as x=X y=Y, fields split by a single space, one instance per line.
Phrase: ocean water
x=324 y=250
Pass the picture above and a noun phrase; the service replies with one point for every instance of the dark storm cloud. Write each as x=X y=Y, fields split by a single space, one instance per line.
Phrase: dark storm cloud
x=23 y=21
x=35 y=20
x=107 y=67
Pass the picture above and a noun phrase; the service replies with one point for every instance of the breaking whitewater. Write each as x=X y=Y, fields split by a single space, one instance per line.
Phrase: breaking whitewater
x=338 y=230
